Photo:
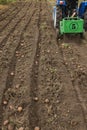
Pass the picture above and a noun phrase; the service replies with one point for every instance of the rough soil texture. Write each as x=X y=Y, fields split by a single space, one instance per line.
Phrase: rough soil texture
x=43 y=82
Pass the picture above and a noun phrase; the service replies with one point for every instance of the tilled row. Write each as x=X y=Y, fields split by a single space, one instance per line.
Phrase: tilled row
x=10 y=10
x=10 y=27
x=58 y=102
x=34 y=106
x=12 y=47
x=78 y=72
x=12 y=38
x=7 y=20
x=2 y=12
x=10 y=7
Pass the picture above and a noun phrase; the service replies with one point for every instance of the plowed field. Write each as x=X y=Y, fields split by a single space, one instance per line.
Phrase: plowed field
x=43 y=82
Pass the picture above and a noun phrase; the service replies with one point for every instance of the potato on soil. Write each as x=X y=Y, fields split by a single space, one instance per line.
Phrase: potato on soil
x=22 y=44
x=11 y=126
x=36 y=99
x=36 y=62
x=36 y=128
x=46 y=101
x=5 y=102
x=21 y=128
x=11 y=107
x=20 y=109
x=12 y=73
x=17 y=86
x=6 y=122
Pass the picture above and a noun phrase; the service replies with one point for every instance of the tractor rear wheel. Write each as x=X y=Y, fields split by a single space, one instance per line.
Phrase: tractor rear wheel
x=57 y=19
x=85 y=20
x=58 y=16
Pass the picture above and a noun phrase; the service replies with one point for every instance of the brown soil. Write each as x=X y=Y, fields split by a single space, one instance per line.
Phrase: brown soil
x=3 y=7
x=43 y=83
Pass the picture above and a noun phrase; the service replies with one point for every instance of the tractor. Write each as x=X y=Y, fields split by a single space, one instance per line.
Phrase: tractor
x=70 y=17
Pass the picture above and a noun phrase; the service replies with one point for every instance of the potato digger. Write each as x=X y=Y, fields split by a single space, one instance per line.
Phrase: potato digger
x=70 y=17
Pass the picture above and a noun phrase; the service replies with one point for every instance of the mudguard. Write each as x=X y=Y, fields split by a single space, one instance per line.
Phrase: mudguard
x=82 y=9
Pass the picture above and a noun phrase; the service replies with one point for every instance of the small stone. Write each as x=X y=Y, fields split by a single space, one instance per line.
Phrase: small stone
x=66 y=63
x=55 y=115
x=5 y=122
x=68 y=111
x=20 y=77
x=11 y=107
x=36 y=98
x=22 y=80
x=0 y=51
x=37 y=55
x=19 y=60
x=22 y=56
x=20 y=109
x=48 y=51
x=58 y=101
x=79 y=66
x=9 y=89
x=36 y=128
x=36 y=62
x=81 y=69
x=17 y=52
x=22 y=44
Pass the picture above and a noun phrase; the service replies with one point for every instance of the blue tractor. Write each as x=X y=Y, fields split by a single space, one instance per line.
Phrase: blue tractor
x=70 y=17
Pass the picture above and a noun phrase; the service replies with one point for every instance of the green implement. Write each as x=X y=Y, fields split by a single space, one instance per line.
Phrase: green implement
x=71 y=25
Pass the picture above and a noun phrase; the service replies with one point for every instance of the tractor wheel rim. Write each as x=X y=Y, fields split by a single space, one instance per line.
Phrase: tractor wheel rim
x=55 y=21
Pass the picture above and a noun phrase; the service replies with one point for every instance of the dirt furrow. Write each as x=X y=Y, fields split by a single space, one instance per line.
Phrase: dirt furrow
x=12 y=63
x=4 y=23
x=7 y=14
x=13 y=37
x=7 y=21
x=11 y=27
x=28 y=41
x=34 y=107
x=10 y=7
x=77 y=73
x=54 y=86
x=4 y=11
x=10 y=11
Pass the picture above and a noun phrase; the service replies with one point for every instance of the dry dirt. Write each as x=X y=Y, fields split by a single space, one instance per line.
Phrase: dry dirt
x=43 y=82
